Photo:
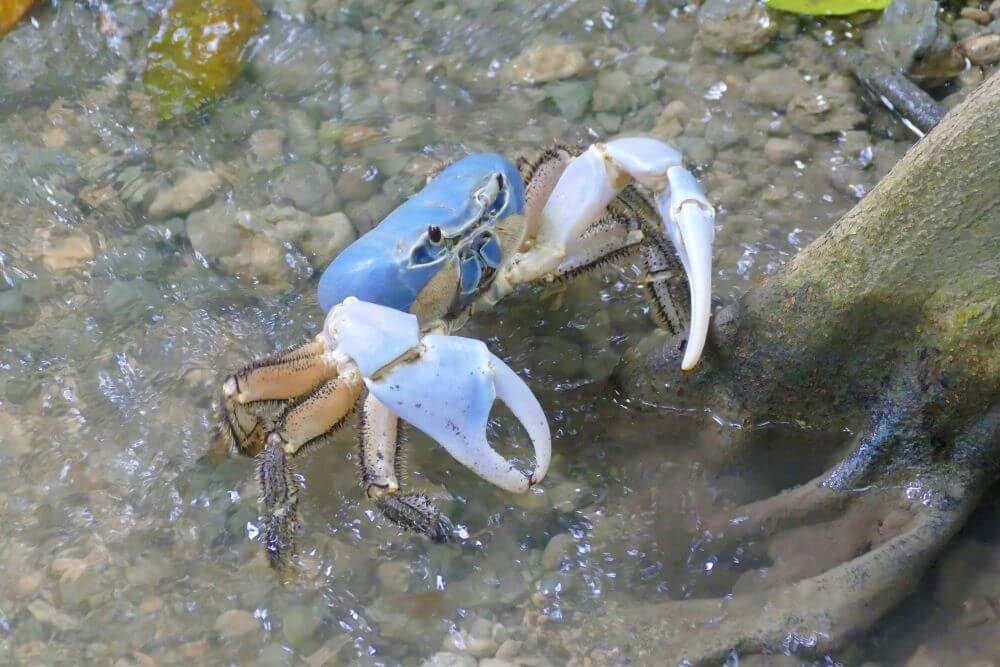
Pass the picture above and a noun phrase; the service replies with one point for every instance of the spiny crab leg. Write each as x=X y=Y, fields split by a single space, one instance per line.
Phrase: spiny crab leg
x=443 y=385
x=589 y=183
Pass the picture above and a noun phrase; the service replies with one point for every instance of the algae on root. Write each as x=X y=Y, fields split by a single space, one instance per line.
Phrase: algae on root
x=196 y=53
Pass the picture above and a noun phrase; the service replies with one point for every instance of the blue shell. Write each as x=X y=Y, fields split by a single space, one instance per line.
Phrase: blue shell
x=380 y=266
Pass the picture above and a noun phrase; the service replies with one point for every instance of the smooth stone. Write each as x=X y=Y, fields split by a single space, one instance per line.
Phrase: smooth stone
x=236 y=623
x=779 y=150
x=307 y=186
x=190 y=191
x=214 y=232
x=904 y=31
x=560 y=548
x=393 y=577
x=569 y=496
x=293 y=59
x=443 y=659
x=300 y=624
x=981 y=49
x=547 y=63
x=571 y=98
x=775 y=88
x=735 y=26
x=328 y=237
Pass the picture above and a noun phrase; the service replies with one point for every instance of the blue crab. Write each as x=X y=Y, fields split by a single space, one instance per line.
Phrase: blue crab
x=479 y=229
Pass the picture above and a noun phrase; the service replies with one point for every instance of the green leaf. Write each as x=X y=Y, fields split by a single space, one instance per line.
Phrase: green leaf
x=827 y=7
x=196 y=53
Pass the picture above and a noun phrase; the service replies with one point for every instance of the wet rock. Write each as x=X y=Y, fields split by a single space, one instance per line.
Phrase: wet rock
x=190 y=191
x=735 y=26
x=275 y=655
x=356 y=183
x=509 y=649
x=63 y=251
x=307 y=186
x=616 y=92
x=779 y=150
x=831 y=109
x=546 y=63
x=236 y=623
x=293 y=59
x=266 y=149
x=671 y=121
x=775 y=88
x=560 y=548
x=46 y=614
x=981 y=49
x=965 y=28
x=327 y=237
x=905 y=30
x=443 y=659
x=569 y=496
x=214 y=232
x=696 y=150
x=302 y=134
x=393 y=577
x=980 y=16
x=571 y=98
x=16 y=310
x=299 y=624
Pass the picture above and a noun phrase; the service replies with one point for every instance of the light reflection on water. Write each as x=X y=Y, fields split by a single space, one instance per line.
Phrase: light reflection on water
x=119 y=517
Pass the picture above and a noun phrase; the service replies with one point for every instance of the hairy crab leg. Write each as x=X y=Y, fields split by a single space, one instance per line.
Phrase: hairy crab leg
x=318 y=413
x=279 y=496
x=382 y=468
x=278 y=378
x=312 y=417
x=589 y=184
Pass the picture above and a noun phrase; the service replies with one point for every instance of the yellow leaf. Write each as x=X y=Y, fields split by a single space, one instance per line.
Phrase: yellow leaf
x=827 y=7
x=11 y=12
x=196 y=53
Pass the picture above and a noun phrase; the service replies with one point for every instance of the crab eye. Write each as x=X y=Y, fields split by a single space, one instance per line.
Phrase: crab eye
x=434 y=234
x=500 y=182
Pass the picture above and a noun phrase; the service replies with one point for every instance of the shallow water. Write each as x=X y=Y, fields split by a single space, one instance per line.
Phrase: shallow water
x=126 y=539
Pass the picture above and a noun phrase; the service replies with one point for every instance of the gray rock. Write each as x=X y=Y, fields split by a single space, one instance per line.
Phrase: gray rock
x=302 y=134
x=393 y=577
x=569 y=496
x=294 y=59
x=965 y=28
x=16 y=310
x=826 y=110
x=214 y=232
x=236 y=623
x=617 y=92
x=696 y=150
x=571 y=98
x=559 y=548
x=778 y=150
x=735 y=26
x=444 y=659
x=327 y=237
x=190 y=191
x=299 y=624
x=307 y=186
x=775 y=88
x=905 y=30
x=356 y=183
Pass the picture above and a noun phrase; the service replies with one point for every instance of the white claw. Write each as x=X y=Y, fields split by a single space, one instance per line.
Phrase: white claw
x=448 y=391
x=690 y=222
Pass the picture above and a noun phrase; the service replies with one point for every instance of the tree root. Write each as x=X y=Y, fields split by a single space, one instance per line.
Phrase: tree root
x=915 y=517
x=811 y=616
